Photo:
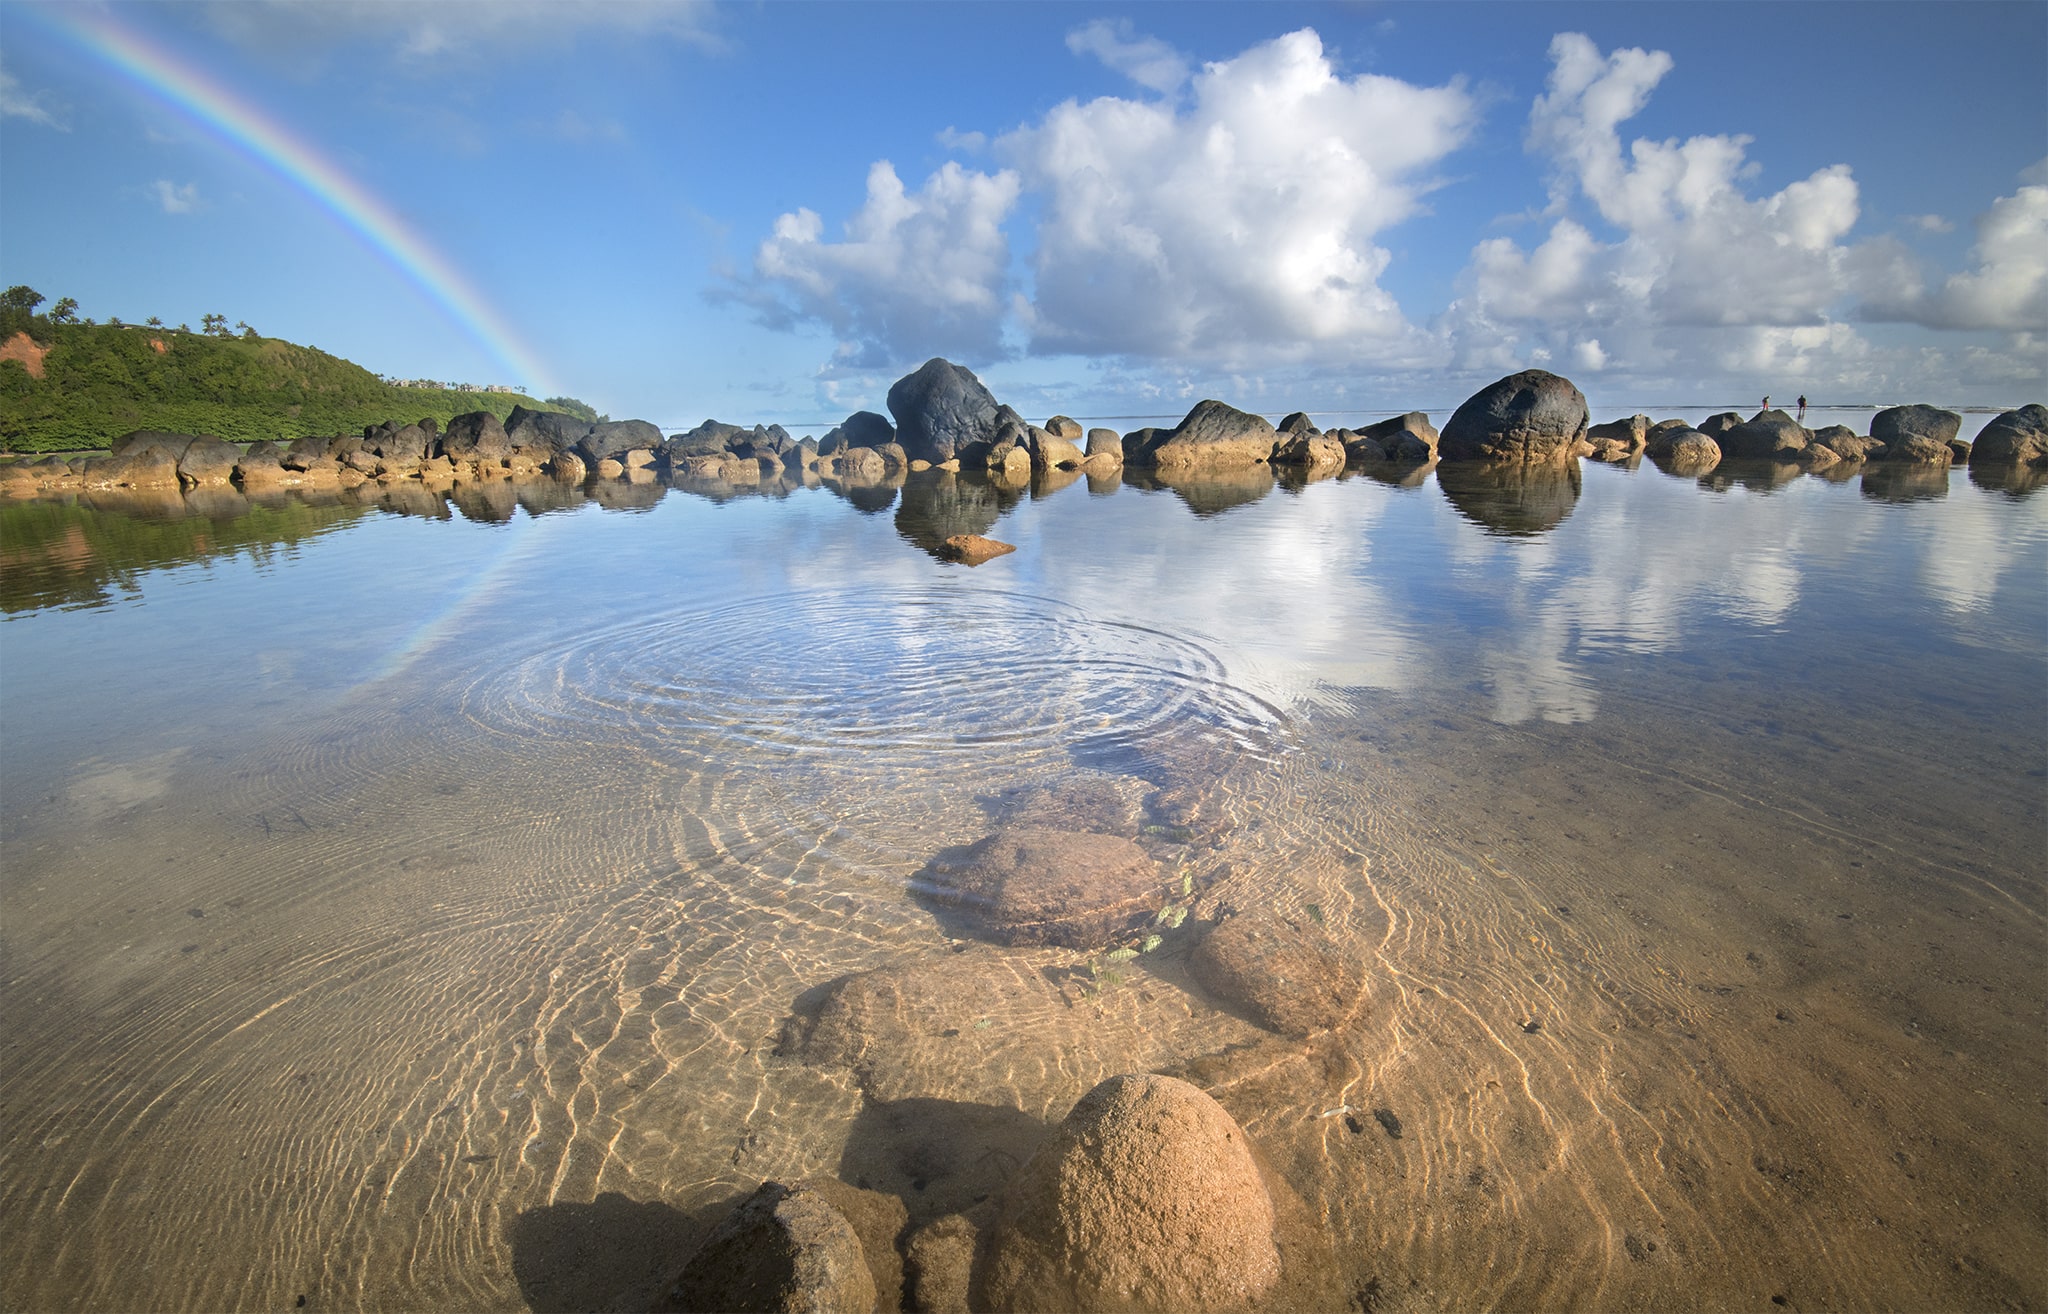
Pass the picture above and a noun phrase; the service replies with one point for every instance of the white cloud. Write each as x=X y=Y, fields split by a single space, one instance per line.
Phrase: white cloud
x=917 y=275
x=2008 y=286
x=1928 y=223
x=174 y=198
x=31 y=105
x=966 y=142
x=425 y=29
x=1147 y=61
x=1240 y=227
x=2036 y=174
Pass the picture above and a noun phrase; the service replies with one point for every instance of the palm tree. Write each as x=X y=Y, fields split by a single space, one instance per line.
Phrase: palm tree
x=64 y=312
x=154 y=322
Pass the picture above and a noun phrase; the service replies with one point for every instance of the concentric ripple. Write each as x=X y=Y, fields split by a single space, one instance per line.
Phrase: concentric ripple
x=926 y=682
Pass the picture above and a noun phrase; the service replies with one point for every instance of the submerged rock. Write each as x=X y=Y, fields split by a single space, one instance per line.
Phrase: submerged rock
x=1287 y=973
x=782 y=1250
x=1036 y=885
x=1147 y=1197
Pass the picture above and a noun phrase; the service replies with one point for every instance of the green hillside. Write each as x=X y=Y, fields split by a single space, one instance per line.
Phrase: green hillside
x=102 y=380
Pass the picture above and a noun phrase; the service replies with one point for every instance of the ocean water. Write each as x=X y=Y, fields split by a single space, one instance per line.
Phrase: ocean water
x=408 y=898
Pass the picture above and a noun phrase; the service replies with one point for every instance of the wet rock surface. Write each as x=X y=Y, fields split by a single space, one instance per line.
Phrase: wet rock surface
x=1037 y=885
x=1284 y=972
x=2016 y=437
x=782 y=1250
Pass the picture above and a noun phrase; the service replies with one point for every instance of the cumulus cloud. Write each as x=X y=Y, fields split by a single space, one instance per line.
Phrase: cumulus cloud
x=425 y=29
x=175 y=199
x=1147 y=61
x=917 y=274
x=2007 y=287
x=1239 y=227
x=1687 y=270
x=31 y=105
x=1928 y=223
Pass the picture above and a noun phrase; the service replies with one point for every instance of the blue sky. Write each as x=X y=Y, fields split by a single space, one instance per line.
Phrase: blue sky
x=771 y=211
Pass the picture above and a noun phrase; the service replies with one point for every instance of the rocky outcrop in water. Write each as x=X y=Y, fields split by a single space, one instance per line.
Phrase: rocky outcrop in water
x=942 y=412
x=1534 y=416
x=1213 y=435
x=1765 y=436
x=2016 y=437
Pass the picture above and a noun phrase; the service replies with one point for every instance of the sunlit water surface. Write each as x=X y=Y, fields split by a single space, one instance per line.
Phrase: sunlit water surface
x=404 y=910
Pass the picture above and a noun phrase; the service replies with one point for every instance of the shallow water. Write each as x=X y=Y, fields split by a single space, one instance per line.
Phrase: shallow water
x=408 y=910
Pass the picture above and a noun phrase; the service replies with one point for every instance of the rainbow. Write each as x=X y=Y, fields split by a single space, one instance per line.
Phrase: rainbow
x=273 y=147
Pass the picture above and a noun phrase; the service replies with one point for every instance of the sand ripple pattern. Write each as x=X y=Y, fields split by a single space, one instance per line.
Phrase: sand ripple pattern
x=933 y=680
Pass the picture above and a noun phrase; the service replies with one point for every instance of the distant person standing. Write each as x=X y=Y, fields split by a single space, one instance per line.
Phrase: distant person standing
x=1767 y=401
x=1802 y=408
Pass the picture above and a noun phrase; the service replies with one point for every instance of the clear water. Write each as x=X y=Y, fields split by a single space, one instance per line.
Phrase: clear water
x=403 y=899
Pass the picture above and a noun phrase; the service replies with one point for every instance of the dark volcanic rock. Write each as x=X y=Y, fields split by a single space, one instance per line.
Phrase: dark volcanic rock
x=1846 y=442
x=1513 y=498
x=549 y=431
x=1212 y=435
x=208 y=460
x=710 y=438
x=1688 y=452
x=1716 y=425
x=477 y=436
x=942 y=411
x=1532 y=416
x=612 y=440
x=1635 y=431
x=860 y=429
x=1894 y=424
x=1287 y=973
x=2018 y=437
x=1916 y=449
x=1766 y=436
x=1032 y=885
x=135 y=440
x=1409 y=437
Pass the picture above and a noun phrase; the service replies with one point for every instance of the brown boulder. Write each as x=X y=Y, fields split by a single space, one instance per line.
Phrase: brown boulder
x=1917 y=449
x=786 y=1250
x=1846 y=442
x=1034 y=885
x=1213 y=434
x=973 y=549
x=1147 y=1197
x=1634 y=431
x=1063 y=426
x=1409 y=437
x=1896 y=423
x=1288 y=974
x=2017 y=437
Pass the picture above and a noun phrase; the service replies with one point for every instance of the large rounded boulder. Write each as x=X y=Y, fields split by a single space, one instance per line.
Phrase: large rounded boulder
x=477 y=436
x=942 y=410
x=1036 y=885
x=1532 y=416
x=208 y=461
x=1897 y=424
x=2015 y=438
x=1147 y=1197
x=1765 y=436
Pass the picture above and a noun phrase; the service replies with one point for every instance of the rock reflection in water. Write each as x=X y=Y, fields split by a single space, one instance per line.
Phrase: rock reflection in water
x=2013 y=480
x=1755 y=476
x=1207 y=492
x=938 y=504
x=1903 y=481
x=1513 y=499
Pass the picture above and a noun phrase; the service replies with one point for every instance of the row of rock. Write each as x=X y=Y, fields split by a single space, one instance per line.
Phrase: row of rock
x=1146 y=1197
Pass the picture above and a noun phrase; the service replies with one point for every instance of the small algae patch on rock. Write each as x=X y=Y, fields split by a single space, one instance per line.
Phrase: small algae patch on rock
x=1036 y=885
x=1147 y=1197
x=1287 y=973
